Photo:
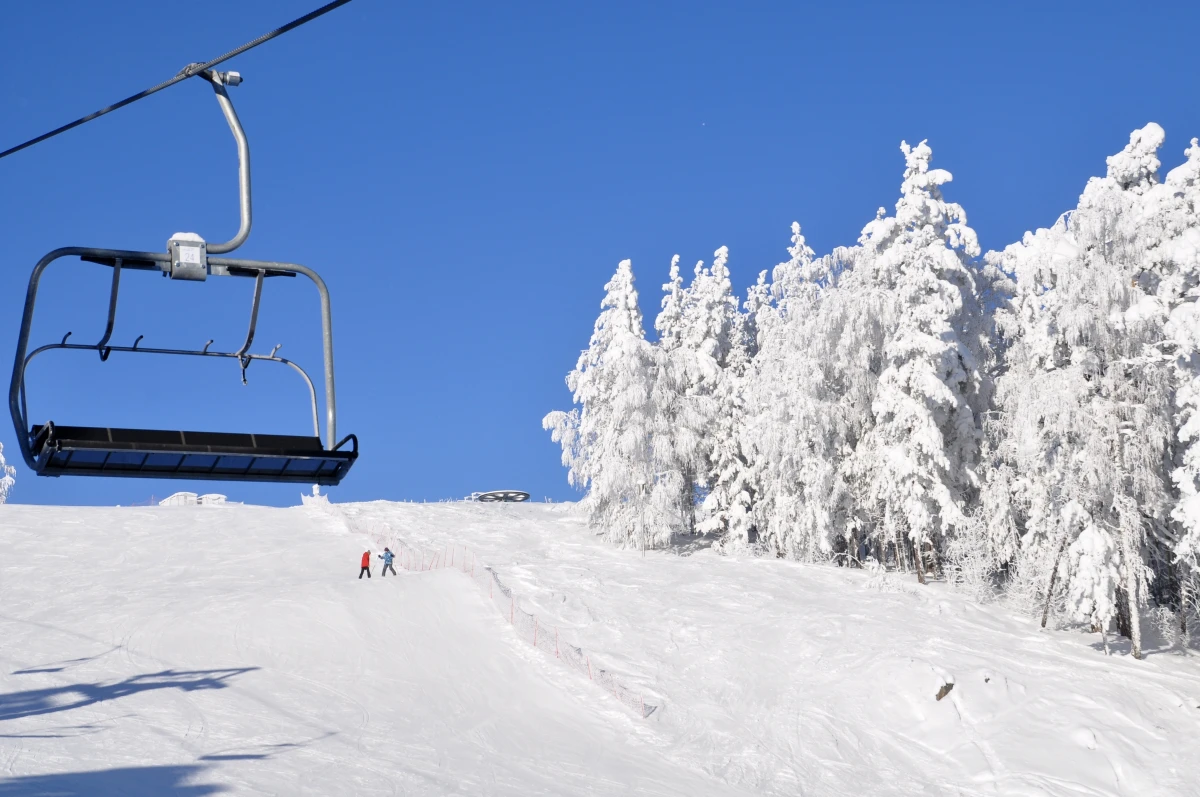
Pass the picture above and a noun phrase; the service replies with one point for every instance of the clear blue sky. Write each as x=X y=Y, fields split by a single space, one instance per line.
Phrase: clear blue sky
x=467 y=176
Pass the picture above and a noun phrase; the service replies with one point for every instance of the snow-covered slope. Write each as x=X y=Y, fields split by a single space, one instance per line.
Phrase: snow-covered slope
x=197 y=650
x=190 y=650
x=792 y=679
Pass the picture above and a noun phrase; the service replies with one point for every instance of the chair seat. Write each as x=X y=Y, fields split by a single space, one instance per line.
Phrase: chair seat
x=152 y=453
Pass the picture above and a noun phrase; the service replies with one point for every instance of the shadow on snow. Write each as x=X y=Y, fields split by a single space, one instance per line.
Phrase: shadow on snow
x=35 y=702
x=171 y=781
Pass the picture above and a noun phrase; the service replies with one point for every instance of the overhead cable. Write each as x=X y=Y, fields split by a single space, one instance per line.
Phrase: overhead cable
x=189 y=71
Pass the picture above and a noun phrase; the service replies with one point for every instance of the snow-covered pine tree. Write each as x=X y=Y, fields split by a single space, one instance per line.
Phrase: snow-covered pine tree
x=919 y=460
x=793 y=434
x=608 y=441
x=696 y=327
x=6 y=476
x=729 y=506
x=1175 y=208
x=682 y=432
x=669 y=323
x=1092 y=569
x=1087 y=415
x=760 y=314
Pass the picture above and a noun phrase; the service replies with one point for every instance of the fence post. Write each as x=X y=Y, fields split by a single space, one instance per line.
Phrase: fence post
x=589 y=663
x=556 y=642
x=535 y=627
x=512 y=608
x=452 y=554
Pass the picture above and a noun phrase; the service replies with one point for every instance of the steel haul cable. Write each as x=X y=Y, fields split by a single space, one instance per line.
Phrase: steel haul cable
x=187 y=72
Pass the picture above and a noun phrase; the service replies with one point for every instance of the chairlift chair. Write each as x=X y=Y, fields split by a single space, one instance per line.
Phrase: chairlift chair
x=54 y=450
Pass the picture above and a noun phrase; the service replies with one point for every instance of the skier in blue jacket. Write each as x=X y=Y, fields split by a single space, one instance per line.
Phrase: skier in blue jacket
x=387 y=556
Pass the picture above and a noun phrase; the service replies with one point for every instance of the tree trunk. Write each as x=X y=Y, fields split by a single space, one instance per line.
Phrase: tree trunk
x=1131 y=586
x=917 y=545
x=1185 y=601
x=1062 y=548
x=1123 y=612
x=688 y=498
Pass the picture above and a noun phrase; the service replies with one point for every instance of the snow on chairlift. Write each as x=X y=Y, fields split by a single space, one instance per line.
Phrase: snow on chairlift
x=503 y=496
x=53 y=450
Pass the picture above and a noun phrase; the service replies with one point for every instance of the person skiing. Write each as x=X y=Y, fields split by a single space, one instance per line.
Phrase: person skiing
x=387 y=558
x=366 y=565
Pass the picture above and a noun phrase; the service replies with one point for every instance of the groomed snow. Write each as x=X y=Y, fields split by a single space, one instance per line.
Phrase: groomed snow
x=791 y=679
x=202 y=650
x=194 y=650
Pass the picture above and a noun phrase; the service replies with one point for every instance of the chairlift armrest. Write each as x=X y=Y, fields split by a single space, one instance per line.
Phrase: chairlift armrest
x=111 y=262
x=352 y=438
x=39 y=435
x=239 y=271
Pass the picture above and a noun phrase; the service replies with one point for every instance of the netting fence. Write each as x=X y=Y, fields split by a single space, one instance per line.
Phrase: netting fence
x=529 y=627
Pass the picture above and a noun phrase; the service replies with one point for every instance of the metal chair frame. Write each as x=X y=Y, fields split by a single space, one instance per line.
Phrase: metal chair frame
x=120 y=260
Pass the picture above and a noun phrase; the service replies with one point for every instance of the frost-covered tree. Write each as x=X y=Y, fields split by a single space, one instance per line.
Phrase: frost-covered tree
x=1088 y=418
x=1092 y=569
x=1028 y=420
x=1169 y=243
x=760 y=313
x=685 y=417
x=1176 y=262
x=918 y=461
x=608 y=441
x=6 y=476
x=669 y=323
x=696 y=327
x=728 y=507
x=791 y=437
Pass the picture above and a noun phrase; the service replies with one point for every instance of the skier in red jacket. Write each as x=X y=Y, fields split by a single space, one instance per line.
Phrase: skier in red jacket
x=366 y=565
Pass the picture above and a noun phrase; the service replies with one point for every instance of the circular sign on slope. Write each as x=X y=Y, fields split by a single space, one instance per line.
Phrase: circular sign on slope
x=507 y=496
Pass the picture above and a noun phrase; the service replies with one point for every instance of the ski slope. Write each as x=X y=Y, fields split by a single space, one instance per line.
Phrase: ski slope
x=202 y=650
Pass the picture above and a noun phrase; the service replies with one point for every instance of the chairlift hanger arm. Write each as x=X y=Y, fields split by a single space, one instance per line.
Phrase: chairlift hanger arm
x=219 y=80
